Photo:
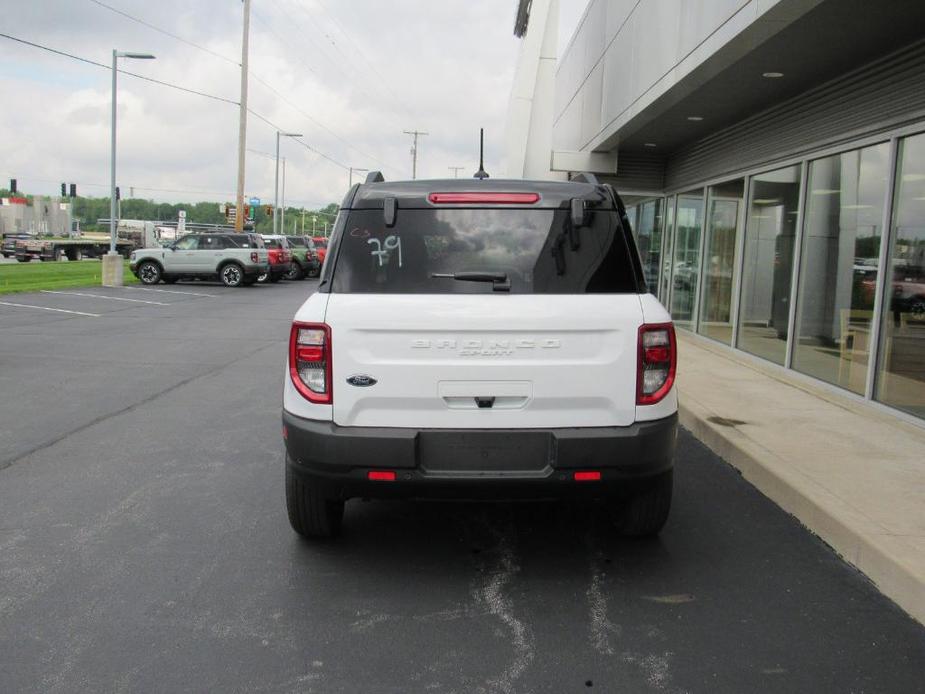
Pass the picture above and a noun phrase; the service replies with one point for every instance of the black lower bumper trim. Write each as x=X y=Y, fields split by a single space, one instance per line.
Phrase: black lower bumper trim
x=510 y=462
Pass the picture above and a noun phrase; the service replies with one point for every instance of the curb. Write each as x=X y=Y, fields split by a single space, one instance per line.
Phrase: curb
x=837 y=524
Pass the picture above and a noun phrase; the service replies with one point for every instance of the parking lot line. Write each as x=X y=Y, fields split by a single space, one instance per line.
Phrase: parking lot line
x=46 y=308
x=169 y=291
x=101 y=296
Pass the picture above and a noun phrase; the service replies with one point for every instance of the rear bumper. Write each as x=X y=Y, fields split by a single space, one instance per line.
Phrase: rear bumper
x=477 y=463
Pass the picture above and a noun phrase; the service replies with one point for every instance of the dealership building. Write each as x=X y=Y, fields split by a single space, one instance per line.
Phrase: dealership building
x=772 y=157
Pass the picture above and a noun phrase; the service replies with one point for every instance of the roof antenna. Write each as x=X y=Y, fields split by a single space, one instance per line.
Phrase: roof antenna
x=480 y=174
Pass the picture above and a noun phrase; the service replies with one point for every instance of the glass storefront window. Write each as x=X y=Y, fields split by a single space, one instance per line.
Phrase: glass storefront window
x=649 y=239
x=686 y=270
x=838 y=266
x=720 y=266
x=901 y=374
x=768 y=263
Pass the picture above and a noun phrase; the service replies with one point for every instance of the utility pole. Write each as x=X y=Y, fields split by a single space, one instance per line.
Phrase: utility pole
x=414 y=150
x=314 y=219
x=302 y=230
x=455 y=170
x=242 y=121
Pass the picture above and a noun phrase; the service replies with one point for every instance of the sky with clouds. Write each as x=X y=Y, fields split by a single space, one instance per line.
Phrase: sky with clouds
x=350 y=75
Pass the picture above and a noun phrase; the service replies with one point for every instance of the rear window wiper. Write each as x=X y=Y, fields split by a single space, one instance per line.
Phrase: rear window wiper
x=499 y=280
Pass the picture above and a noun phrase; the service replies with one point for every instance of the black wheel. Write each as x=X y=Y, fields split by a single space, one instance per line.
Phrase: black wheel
x=644 y=513
x=149 y=272
x=276 y=277
x=295 y=272
x=311 y=514
x=264 y=278
x=232 y=275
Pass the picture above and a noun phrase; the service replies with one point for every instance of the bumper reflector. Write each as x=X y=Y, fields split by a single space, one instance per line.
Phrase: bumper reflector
x=587 y=476
x=381 y=475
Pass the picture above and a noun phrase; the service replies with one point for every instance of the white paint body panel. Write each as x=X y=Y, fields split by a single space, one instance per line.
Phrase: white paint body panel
x=548 y=360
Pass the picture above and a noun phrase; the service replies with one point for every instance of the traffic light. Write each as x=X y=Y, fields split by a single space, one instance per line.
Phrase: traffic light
x=73 y=190
x=269 y=210
x=64 y=190
x=118 y=194
x=13 y=186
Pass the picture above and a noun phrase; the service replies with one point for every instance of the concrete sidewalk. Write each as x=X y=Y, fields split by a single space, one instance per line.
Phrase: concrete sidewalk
x=851 y=473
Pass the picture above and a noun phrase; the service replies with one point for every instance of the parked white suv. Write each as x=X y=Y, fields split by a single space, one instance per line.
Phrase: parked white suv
x=481 y=338
x=234 y=258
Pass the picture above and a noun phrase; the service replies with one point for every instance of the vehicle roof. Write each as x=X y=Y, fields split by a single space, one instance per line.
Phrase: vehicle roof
x=414 y=193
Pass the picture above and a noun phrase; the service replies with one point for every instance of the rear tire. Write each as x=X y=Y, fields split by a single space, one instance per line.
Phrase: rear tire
x=149 y=272
x=295 y=272
x=311 y=514
x=643 y=514
x=232 y=275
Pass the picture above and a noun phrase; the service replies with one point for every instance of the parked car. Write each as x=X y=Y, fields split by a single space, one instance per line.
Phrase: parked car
x=481 y=338
x=321 y=246
x=234 y=258
x=279 y=256
x=305 y=262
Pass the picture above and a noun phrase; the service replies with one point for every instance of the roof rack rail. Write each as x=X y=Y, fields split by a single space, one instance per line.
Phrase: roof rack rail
x=375 y=177
x=585 y=177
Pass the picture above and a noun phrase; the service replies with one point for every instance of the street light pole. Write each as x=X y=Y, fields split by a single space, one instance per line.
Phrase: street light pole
x=352 y=169
x=282 y=202
x=276 y=187
x=112 y=270
x=314 y=219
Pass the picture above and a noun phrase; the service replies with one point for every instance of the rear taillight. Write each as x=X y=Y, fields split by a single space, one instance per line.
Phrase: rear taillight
x=310 y=361
x=254 y=257
x=658 y=359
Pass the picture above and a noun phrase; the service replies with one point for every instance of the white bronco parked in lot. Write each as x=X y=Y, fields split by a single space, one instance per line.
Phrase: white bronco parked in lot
x=481 y=338
x=234 y=258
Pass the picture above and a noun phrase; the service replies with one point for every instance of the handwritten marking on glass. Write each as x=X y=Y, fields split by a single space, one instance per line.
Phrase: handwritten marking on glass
x=391 y=243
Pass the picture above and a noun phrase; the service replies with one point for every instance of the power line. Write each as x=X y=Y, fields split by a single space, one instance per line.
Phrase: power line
x=301 y=142
x=124 y=72
x=172 y=86
x=266 y=84
x=165 y=32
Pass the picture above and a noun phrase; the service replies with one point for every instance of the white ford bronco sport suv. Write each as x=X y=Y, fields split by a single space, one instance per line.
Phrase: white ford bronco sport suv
x=480 y=338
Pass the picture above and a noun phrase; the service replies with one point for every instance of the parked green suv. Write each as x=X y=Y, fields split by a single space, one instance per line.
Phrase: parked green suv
x=305 y=261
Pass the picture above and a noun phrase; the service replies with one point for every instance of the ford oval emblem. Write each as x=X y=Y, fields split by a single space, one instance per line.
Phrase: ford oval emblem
x=362 y=381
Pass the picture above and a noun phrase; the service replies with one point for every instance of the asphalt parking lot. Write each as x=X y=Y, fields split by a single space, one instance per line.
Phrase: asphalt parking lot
x=144 y=544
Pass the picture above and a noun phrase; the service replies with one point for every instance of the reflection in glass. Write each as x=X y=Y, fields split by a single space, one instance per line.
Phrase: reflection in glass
x=665 y=277
x=719 y=270
x=768 y=263
x=838 y=267
x=649 y=239
x=901 y=376
x=686 y=271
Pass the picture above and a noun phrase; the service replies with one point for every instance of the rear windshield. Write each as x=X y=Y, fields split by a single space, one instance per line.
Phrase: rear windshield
x=274 y=243
x=535 y=250
x=296 y=242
